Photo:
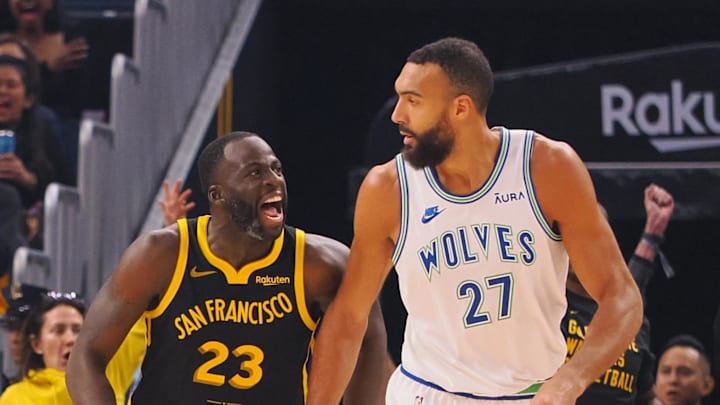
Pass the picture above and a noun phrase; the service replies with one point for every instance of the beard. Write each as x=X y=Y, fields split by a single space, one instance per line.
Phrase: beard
x=431 y=147
x=245 y=217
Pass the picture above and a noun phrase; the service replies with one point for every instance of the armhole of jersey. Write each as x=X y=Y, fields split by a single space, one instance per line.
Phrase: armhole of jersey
x=178 y=273
x=300 y=280
x=404 y=208
x=542 y=220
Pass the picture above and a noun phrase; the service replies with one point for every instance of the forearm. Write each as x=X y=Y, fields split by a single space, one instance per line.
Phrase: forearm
x=367 y=385
x=87 y=382
x=641 y=267
x=614 y=325
x=334 y=357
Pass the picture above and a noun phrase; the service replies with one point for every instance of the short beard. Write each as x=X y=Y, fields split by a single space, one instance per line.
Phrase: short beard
x=431 y=148
x=245 y=217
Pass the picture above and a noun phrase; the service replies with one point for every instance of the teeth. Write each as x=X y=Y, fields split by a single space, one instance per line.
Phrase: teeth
x=276 y=198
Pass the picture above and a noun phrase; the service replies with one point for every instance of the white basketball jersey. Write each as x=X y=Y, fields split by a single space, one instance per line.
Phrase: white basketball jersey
x=482 y=277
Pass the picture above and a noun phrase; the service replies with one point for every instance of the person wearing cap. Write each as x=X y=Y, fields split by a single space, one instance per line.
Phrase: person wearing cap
x=19 y=307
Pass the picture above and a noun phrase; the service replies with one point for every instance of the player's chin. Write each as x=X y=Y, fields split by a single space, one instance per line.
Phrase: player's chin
x=272 y=229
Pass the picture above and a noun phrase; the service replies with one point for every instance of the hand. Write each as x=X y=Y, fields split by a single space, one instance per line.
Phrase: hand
x=13 y=169
x=659 y=206
x=71 y=55
x=174 y=204
x=553 y=393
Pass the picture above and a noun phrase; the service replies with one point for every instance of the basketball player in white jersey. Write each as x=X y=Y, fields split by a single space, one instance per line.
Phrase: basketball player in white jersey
x=479 y=223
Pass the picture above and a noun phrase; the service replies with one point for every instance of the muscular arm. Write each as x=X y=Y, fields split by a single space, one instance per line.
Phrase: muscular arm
x=567 y=198
x=659 y=207
x=346 y=321
x=143 y=273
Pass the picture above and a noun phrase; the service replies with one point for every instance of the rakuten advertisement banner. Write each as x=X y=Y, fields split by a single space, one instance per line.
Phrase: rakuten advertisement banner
x=635 y=118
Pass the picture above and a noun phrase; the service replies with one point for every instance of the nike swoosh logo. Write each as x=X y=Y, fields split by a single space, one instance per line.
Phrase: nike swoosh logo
x=428 y=216
x=195 y=273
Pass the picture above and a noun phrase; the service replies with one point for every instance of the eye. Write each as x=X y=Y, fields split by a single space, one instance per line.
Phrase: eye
x=278 y=170
x=254 y=172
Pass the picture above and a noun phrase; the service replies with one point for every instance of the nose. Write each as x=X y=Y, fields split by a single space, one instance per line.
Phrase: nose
x=70 y=337
x=397 y=115
x=274 y=178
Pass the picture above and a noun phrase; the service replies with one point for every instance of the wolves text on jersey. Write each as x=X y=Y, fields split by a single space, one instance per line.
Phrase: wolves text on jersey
x=465 y=244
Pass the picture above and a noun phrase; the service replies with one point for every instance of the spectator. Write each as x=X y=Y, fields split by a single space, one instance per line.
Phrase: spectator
x=12 y=46
x=630 y=379
x=683 y=375
x=37 y=159
x=40 y=24
x=49 y=335
x=174 y=203
x=13 y=323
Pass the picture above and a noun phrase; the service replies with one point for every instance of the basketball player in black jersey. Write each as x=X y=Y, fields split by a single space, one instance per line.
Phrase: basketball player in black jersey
x=231 y=300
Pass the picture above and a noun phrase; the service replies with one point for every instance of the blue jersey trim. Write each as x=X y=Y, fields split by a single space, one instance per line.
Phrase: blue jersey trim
x=434 y=182
x=404 y=207
x=463 y=394
x=530 y=186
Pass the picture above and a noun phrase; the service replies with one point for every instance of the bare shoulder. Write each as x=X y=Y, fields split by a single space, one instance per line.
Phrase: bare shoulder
x=157 y=243
x=151 y=258
x=322 y=251
x=560 y=177
x=553 y=154
x=382 y=178
x=377 y=208
x=325 y=261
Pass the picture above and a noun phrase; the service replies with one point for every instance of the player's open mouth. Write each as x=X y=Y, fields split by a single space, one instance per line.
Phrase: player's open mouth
x=272 y=210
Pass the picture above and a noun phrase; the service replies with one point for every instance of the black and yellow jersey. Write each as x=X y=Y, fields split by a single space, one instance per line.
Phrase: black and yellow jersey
x=221 y=335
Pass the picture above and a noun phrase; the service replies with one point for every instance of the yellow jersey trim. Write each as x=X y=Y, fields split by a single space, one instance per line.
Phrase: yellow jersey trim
x=305 y=374
x=178 y=273
x=300 y=280
x=232 y=275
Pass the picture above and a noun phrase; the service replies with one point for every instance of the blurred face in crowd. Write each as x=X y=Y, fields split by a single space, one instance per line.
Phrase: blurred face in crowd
x=13 y=96
x=11 y=49
x=59 y=331
x=29 y=14
x=683 y=377
x=15 y=343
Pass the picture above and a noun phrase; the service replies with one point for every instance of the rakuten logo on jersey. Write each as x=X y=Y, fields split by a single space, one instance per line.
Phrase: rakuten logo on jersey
x=662 y=114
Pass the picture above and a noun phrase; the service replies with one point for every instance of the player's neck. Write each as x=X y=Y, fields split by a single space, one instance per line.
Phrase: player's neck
x=471 y=160
x=235 y=246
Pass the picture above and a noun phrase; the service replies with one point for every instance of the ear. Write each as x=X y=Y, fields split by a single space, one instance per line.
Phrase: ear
x=35 y=344
x=708 y=385
x=463 y=106
x=215 y=194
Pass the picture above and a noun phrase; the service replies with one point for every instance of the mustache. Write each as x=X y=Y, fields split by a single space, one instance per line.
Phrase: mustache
x=403 y=128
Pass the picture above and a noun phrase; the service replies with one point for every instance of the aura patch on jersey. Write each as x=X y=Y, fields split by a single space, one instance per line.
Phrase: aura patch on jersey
x=236 y=311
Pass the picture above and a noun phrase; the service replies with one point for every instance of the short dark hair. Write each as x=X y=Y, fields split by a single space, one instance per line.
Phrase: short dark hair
x=33 y=85
x=23 y=68
x=686 y=340
x=213 y=153
x=464 y=64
